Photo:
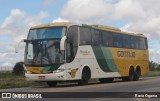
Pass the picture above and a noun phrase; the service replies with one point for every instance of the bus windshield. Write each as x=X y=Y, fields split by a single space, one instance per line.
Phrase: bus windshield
x=43 y=47
x=44 y=33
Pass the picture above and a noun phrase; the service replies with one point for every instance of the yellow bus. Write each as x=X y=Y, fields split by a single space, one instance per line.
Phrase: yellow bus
x=78 y=52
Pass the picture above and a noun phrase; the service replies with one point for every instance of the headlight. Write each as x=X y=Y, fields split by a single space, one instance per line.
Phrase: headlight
x=28 y=72
x=59 y=70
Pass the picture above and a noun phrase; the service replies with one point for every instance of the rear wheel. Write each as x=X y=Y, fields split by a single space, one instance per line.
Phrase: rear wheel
x=137 y=74
x=131 y=75
x=51 y=83
x=106 y=80
x=86 y=75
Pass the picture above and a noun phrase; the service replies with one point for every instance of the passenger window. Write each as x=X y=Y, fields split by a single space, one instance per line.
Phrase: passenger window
x=107 y=38
x=126 y=41
x=85 y=36
x=142 y=43
x=96 y=37
x=117 y=40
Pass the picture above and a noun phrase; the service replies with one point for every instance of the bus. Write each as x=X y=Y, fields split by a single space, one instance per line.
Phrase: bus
x=66 y=51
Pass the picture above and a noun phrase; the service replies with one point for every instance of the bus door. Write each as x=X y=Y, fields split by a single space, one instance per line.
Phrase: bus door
x=72 y=63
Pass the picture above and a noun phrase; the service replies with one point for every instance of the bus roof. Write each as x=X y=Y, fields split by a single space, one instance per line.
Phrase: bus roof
x=106 y=27
x=98 y=26
x=113 y=29
x=57 y=24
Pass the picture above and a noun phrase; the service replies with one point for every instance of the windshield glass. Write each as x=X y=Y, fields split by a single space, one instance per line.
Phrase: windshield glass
x=44 y=33
x=43 y=52
x=43 y=46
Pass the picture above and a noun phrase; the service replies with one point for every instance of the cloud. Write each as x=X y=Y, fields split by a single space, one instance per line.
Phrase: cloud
x=154 y=55
x=144 y=18
x=60 y=20
x=141 y=16
x=16 y=26
x=14 y=14
x=35 y=20
x=86 y=9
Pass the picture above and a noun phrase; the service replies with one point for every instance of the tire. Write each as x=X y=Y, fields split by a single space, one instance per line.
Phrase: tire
x=86 y=75
x=106 y=80
x=137 y=74
x=131 y=75
x=51 y=83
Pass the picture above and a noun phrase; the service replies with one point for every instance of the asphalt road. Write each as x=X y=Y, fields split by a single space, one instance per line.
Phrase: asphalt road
x=145 y=84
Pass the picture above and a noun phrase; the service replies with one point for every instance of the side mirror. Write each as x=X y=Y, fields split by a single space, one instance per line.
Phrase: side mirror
x=17 y=45
x=62 y=43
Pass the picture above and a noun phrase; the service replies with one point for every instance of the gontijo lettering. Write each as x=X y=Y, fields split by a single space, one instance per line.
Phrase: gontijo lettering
x=126 y=54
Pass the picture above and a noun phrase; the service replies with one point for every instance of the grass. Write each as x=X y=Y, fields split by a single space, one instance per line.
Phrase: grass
x=152 y=73
x=10 y=80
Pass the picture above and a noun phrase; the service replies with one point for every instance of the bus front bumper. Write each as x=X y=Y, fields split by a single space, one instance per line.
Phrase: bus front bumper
x=46 y=77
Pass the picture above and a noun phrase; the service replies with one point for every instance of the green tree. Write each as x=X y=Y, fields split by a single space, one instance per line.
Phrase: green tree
x=158 y=67
x=152 y=65
x=18 y=68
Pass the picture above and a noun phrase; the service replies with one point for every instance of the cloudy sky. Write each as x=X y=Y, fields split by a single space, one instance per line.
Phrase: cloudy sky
x=17 y=16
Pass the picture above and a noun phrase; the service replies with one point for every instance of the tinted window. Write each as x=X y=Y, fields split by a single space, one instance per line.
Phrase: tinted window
x=117 y=40
x=96 y=37
x=43 y=33
x=142 y=43
x=85 y=36
x=133 y=42
x=72 y=43
x=146 y=43
x=126 y=41
x=111 y=39
x=72 y=36
x=107 y=38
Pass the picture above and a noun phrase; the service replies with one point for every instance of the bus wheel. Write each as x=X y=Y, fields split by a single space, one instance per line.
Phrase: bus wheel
x=86 y=75
x=51 y=83
x=106 y=80
x=131 y=75
x=137 y=74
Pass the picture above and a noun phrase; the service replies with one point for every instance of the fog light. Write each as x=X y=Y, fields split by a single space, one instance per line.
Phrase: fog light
x=28 y=72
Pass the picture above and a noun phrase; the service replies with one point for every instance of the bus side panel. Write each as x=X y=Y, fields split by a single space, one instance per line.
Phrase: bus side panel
x=87 y=57
x=124 y=58
x=72 y=70
x=104 y=63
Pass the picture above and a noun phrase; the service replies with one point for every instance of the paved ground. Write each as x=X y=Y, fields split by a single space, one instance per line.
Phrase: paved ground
x=146 y=84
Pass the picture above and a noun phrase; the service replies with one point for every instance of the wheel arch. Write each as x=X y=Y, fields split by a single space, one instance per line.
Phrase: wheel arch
x=131 y=66
x=85 y=67
x=138 y=68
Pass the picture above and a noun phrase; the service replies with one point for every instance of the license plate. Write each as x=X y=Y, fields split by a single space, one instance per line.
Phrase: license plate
x=41 y=77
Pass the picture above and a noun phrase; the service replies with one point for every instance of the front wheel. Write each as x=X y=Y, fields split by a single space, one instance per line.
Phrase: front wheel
x=51 y=83
x=86 y=74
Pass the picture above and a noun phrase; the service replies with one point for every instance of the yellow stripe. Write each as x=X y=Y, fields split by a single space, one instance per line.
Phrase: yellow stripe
x=37 y=70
